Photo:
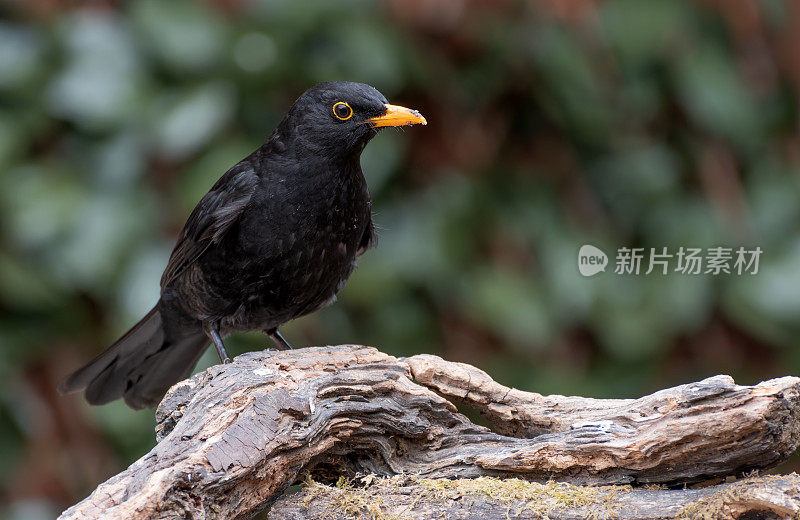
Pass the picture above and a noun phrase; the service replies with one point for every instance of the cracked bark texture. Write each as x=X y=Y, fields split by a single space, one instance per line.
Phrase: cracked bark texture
x=233 y=438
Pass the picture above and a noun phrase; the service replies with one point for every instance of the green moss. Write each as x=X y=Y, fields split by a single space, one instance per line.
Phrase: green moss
x=364 y=501
x=346 y=500
x=521 y=495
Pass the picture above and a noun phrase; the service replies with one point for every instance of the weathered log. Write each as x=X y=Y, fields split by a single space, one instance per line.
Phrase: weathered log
x=485 y=498
x=233 y=438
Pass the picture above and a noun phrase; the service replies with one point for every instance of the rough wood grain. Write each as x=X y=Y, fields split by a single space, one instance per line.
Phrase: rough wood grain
x=233 y=438
x=757 y=498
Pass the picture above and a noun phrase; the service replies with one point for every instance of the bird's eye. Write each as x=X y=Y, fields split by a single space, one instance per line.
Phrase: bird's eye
x=342 y=110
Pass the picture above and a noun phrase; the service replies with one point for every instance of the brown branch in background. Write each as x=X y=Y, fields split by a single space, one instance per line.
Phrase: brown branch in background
x=234 y=437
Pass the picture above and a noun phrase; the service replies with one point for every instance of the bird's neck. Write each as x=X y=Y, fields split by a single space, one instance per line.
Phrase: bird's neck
x=306 y=160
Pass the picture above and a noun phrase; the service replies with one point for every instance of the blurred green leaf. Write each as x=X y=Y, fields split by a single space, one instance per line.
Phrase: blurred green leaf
x=99 y=86
x=511 y=305
x=186 y=121
x=712 y=91
x=643 y=33
x=21 y=55
x=184 y=35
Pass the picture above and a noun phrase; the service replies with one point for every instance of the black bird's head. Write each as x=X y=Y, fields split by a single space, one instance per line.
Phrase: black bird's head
x=340 y=117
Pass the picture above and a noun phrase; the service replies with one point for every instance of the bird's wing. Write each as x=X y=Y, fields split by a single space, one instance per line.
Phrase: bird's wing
x=368 y=239
x=212 y=218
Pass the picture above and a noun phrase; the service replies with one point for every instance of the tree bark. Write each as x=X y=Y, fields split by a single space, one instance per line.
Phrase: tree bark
x=757 y=498
x=233 y=438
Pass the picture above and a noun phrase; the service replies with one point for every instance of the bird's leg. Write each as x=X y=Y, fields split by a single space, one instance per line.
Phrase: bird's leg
x=278 y=339
x=212 y=332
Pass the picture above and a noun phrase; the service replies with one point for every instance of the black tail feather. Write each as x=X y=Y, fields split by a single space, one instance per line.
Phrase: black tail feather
x=140 y=366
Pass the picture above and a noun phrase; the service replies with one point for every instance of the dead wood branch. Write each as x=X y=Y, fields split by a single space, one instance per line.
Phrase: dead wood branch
x=757 y=498
x=233 y=438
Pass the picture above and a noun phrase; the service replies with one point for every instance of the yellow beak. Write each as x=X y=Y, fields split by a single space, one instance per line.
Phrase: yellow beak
x=398 y=116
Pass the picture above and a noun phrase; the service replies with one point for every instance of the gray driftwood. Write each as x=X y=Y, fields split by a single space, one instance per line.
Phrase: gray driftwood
x=233 y=438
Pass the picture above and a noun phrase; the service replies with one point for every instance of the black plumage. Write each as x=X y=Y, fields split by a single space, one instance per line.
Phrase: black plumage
x=274 y=239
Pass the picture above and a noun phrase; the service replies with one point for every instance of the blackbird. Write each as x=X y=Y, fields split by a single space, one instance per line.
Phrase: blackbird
x=276 y=238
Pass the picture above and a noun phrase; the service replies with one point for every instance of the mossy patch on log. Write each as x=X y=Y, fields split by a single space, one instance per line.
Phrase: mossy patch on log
x=364 y=497
x=730 y=502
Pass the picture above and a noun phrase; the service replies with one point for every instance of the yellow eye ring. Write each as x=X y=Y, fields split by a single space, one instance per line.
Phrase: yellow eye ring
x=342 y=111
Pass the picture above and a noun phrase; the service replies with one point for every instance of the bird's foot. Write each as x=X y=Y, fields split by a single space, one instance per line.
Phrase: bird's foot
x=212 y=332
x=278 y=339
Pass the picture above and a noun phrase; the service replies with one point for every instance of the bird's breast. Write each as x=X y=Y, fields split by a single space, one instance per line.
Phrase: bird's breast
x=291 y=253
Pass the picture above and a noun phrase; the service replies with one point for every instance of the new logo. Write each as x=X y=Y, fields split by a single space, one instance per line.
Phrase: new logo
x=591 y=260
